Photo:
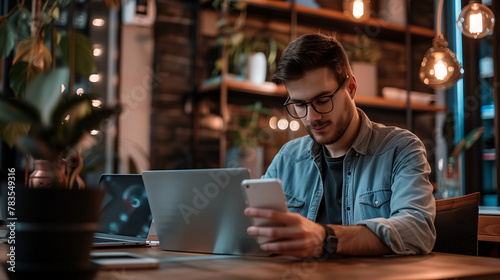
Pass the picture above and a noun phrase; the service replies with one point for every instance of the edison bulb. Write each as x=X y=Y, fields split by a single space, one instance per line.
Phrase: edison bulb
x=357 y=9
x=476 y=20
x=439 y=68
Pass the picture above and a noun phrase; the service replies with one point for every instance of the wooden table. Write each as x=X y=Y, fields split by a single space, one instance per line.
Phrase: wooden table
x=489 y=224
x=188 y=266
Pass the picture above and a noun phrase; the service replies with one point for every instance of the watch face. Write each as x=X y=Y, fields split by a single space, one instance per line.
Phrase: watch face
x=331 y=243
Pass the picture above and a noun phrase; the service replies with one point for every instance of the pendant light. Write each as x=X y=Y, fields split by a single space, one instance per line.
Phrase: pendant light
x=358 y=10
x=439 y=68
x=476 y=20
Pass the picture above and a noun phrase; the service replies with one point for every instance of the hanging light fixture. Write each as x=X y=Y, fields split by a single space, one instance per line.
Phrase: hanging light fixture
x=439 y=68
x=357 y=9
x=476 y=20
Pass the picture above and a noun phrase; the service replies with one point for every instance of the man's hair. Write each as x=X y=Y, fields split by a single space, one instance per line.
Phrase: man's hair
x=310 y=52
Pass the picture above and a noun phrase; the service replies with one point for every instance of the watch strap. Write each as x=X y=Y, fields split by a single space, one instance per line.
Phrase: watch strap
x=330 y=242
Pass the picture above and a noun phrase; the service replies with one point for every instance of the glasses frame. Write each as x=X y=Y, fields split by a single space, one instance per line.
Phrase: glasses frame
x=310 y=102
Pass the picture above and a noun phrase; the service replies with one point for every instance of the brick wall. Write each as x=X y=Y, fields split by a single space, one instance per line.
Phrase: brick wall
x=171 y=124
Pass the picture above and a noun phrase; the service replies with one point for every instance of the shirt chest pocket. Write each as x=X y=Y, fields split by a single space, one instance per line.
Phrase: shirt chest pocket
x=375 y=204
x=295 y=205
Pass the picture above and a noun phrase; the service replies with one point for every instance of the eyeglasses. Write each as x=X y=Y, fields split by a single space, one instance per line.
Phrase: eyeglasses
x=320 y=104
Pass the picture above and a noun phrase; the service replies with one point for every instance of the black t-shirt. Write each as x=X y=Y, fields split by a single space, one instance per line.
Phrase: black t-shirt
x=330 y=208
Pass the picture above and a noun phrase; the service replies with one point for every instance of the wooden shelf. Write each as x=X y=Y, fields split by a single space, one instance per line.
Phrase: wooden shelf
x=270 y=89
x=340 y=17
x=380 y=102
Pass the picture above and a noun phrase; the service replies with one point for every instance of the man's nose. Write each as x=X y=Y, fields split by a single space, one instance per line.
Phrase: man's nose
x=312 y=115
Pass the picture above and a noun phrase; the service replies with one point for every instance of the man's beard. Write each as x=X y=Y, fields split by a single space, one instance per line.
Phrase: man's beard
x=329 y=137
x=334 y=132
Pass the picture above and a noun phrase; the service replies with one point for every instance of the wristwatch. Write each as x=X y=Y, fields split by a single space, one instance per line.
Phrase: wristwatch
x=331 y=241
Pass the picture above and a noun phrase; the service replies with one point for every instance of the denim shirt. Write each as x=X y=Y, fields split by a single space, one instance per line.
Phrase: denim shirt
x=386 y=185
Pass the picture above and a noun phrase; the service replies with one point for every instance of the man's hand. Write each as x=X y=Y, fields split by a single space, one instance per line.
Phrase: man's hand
x=300 y=237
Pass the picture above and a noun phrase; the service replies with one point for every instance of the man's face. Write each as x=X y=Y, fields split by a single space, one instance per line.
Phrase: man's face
x=324 y=128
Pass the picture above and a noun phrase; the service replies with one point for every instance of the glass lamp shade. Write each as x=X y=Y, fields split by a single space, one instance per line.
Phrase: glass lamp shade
x=439 y=68
x=357 y=9
x=476 y=20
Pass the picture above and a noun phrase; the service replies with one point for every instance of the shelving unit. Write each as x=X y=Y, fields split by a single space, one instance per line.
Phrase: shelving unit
x=297 y=19
x=270 y=89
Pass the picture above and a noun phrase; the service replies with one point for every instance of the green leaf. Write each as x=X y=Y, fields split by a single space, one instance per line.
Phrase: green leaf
x=84 y=58
x=18 y=75
x=28 y=146
x=33 y=51
x=45 y=91
x=90 y=122
x=7 y=36
x=12 y=132
x=16 y=111
x=65 y=107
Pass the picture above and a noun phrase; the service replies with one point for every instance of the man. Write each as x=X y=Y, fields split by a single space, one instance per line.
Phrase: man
x=353 y=187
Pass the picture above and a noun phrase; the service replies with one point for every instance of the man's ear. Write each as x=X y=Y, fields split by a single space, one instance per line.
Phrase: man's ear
x=352 y=86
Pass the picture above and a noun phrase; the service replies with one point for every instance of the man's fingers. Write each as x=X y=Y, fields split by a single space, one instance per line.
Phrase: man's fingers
x=278 y=232
x=278 y=216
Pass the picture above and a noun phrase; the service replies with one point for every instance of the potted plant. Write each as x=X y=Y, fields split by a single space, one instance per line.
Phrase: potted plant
x=364 y=54
x=249 y=56
x=53 y=126
x=246 y=138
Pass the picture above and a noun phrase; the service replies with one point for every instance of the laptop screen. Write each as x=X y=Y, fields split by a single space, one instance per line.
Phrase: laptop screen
x=125 y=209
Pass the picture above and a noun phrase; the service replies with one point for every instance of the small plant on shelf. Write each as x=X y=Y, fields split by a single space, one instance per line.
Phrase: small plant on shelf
x=247 y=133
x=363 y=49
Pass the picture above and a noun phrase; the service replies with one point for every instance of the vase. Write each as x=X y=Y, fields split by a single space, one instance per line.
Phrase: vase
x=366 y=77
x=53 y=231
x=42 y=175
x=393 y=11
x=257 y=68
x=251 y=158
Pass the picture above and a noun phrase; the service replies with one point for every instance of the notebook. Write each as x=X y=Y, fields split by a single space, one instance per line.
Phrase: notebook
x=201 y=210
x=126 y=215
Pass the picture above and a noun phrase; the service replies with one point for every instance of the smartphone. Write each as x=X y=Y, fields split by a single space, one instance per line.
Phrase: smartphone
x=125 y=260
x=264 y=193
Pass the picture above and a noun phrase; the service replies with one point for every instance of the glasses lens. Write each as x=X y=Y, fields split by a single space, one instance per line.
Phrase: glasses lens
x=297 y=110
x=323 y=105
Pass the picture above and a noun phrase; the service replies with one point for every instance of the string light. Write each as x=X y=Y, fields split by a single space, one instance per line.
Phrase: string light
x=476 y=20
x=98 y=22
x=357 y=9
x=283 y=124
x=294 y=125
x=439 y=68
x=94 y=78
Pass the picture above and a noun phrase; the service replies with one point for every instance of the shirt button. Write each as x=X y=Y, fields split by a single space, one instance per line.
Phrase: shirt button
x=348 y=208
x=357 y=154
x=376 y=202
x=349 y=173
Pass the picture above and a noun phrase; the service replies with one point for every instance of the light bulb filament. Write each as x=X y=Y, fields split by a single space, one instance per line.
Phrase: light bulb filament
x=440 y=70
x=358 y=8
x=475 y=23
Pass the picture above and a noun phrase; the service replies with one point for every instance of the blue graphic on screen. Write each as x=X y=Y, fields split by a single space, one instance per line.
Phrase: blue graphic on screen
x=125 y=209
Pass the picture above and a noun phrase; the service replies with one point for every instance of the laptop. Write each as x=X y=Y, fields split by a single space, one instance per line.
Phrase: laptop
x=201 y=210
x=126 y=215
